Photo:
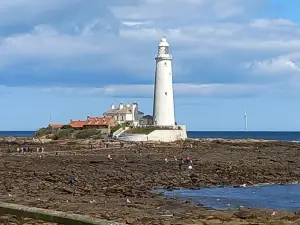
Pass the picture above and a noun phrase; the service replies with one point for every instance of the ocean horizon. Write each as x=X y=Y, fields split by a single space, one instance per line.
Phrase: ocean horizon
x=266 y=135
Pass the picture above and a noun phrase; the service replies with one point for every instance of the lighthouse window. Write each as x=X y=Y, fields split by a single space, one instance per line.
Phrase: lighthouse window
x=166 y=93
x=165 y=63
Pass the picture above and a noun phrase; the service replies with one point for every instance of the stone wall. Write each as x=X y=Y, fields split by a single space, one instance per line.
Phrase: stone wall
x=133 y=137
x=167 y=135
x=157 y=135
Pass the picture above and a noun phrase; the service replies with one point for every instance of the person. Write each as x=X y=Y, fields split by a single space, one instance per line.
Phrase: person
x=180 y=163
x=190 y=164
x=187 y=159
x=72 y=180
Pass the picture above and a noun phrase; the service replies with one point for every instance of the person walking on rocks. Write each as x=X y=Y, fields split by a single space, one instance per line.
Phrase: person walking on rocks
x=72 y=180
x=180 y=163
x=188 y=159
x=190 y=165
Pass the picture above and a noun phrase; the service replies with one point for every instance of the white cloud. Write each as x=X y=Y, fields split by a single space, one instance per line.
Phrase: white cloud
x=272 y=23
x=46 y=41
x=185 y=10
x=118 y=35
x=287 y=65
x=180 y=90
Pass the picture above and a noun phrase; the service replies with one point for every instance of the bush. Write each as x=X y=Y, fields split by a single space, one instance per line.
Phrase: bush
x=115 y=128
x=126 y=124
x=140 y=130
x=100 y=136
x=55 y=137
x=63 y=133
x=67 y=126
x=43 y=132
x=83 y=134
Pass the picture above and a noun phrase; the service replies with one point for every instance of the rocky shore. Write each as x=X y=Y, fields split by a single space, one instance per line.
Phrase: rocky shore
x=119 y=188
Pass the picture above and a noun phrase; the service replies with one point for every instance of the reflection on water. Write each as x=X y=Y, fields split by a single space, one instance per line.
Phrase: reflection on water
x=284 y=197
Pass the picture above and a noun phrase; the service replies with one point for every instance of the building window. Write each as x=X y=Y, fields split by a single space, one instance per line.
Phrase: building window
x=166 y=93
x=165 y=63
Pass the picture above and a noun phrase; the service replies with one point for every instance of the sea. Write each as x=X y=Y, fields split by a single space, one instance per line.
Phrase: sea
x=267 y=135
x=271 y=196
x=17 y=133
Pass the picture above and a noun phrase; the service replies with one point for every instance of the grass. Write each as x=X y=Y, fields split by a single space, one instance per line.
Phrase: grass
x=140 y=130
x=147 y=129
x=70 y=133
x=88 y=133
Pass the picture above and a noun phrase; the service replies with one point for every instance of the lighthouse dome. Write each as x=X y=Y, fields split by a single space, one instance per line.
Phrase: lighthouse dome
x=163 y=42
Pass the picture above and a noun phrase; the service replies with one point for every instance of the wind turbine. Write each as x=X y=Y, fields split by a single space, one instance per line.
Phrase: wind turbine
x=246 y=121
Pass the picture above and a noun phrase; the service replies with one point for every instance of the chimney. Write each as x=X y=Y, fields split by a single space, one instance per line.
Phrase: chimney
x=134 y=111
x=112 y=106
x=121 y=106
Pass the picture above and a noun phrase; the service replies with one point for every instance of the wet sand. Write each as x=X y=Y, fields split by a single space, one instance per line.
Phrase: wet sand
x=119 y=189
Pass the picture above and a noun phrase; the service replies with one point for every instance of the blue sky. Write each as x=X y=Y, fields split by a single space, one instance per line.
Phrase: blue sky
x=74 y=58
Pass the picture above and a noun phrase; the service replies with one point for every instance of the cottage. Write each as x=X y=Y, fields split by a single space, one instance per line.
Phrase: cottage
x=99 y=122
x=92 y=122
x=124 y=113
x=77 y=124
x=55 y=126
x=146 y=120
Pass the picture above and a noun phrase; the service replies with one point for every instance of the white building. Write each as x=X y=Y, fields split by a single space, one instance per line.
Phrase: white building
x=125 y=113
x=163 y=105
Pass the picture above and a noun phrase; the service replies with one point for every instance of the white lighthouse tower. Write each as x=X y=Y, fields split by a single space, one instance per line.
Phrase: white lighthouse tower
x=163 y=105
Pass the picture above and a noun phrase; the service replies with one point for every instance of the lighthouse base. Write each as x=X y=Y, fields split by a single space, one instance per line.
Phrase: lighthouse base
x=159 y=135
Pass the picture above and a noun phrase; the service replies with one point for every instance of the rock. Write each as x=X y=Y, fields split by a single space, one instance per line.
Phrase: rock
x=130 y=220
x=242 y=214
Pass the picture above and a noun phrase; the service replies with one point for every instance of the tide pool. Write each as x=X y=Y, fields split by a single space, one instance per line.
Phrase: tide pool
x=281 y=197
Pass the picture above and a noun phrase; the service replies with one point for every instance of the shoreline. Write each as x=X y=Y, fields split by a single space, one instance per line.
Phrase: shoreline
x=103 y=185
x=285 y=136
x=189 y=139
x=226 y=205
x=227 y=186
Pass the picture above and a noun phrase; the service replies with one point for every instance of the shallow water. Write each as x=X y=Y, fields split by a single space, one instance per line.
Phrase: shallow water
x=283 y=197
x=267 y=135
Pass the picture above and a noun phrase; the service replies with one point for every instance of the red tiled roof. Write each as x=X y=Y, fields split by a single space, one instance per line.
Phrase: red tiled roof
x=92 y=121
x=56 y=126
x=99 y=121
x=77 y=123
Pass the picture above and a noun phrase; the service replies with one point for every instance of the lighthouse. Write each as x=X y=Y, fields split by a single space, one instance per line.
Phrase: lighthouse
x=164 y=129
x=163 y=105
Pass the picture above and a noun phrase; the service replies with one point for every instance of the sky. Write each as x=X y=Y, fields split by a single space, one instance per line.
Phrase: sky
x=66 y=59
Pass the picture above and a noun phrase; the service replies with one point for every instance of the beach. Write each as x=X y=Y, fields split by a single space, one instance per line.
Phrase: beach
x=116 y=183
